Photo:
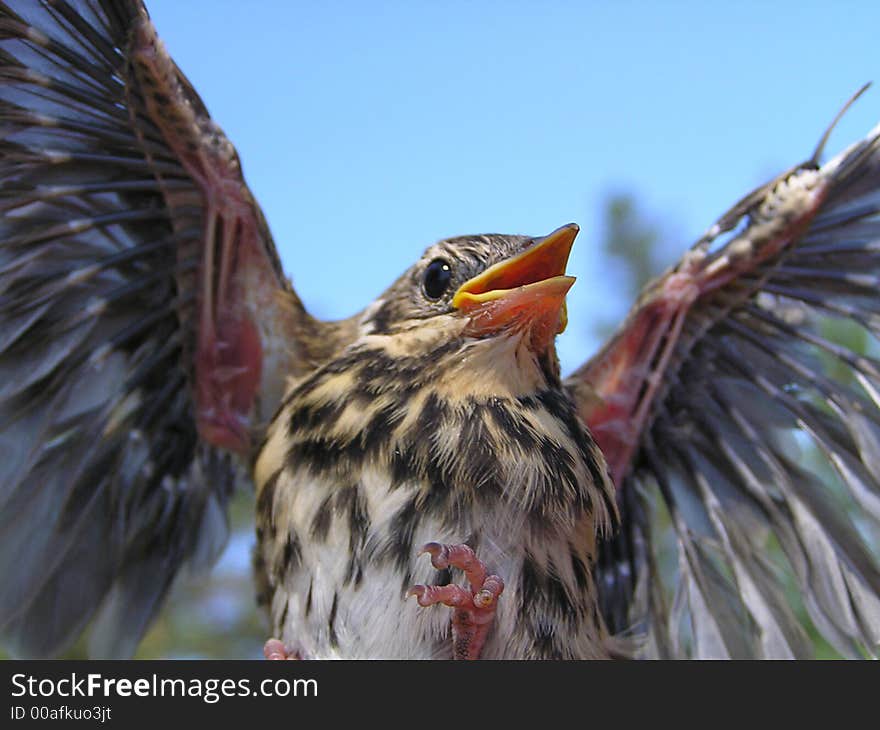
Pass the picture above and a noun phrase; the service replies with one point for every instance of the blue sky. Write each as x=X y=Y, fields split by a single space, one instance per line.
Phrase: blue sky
x=368 y=130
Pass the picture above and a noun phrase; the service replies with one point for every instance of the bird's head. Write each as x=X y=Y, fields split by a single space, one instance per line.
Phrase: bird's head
x=490 y=295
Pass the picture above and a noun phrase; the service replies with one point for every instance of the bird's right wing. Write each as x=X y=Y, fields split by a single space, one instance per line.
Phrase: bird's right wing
x=740 y=404
x=146 y=327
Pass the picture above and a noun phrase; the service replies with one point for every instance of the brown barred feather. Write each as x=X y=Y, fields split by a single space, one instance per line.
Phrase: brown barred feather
x=109 y=483
x=751 y=425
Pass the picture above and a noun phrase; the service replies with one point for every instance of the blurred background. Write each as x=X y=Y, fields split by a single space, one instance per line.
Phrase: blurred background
x=369 y=130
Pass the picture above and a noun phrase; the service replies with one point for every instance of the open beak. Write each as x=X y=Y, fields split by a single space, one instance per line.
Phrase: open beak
x=526 y=291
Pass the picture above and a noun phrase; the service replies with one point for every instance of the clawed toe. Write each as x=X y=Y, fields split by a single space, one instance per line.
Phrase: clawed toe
x=475 y=608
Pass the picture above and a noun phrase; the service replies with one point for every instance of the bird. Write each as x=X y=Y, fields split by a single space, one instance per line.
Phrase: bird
x=427 y=450
x=444 y=421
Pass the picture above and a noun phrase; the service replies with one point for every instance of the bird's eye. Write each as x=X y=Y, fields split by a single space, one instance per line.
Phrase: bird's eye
x=438 y=276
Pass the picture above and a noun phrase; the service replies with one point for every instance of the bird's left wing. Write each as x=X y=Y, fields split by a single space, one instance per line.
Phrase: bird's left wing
x=145 y=324
x=740 y=404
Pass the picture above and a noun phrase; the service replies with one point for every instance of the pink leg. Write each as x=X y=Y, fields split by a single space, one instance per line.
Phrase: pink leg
x=273 y=649
x=474 y=608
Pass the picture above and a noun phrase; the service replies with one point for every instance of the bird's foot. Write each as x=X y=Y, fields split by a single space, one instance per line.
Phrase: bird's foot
x=474 y=608
x=274 y=649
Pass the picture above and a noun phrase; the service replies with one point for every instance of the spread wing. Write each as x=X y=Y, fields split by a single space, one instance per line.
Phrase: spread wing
x=739 y=409
x=145 y=324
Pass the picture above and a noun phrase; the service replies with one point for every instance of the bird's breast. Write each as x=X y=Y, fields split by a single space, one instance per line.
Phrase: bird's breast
x=355 y=477
x=340 y=560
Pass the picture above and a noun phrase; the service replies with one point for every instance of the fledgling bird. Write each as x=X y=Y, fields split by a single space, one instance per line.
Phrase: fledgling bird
x=154 y=355
x=444 y=420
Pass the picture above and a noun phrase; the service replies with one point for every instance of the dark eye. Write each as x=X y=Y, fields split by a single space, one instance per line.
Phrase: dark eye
x=438 y=276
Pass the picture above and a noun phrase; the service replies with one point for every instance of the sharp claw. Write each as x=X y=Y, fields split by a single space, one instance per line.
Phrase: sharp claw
x=493 y=586
x=449 y=595
x=484 y=599
x=488 y=594
x=439 y=554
